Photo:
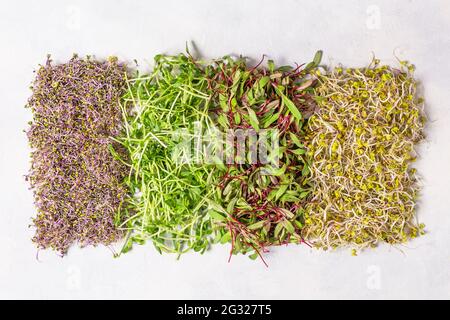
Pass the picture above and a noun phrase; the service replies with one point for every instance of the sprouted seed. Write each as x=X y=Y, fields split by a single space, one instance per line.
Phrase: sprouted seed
x=361 y=144
x=77 y=183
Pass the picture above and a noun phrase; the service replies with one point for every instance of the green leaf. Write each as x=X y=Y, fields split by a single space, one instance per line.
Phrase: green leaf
x=303 y=194
x=128 y=246
x=316 y=61
x=237 y=118
x=215 y=215
x=292 y=108
x=305 y=85
x=278 y=229
x=244 y=77
x=281 y=190
x=257 y=225
x=288 y=103
x=157 y=247
x=276 y=75
x=231 y=204
x=299 y=151
x=216 y=207
x=250 y=98
x=273 y=105
x=223 y=101
x=298 y=224
x=305 y=170
x=233 y=102
x=253 y=119
x=227 y=189
x=318 y=57
x=288 y=225
x=263 y=82
x=253 y=256
x=225 y=238
x=267 y=122
x=289 y=198
x=236 y=80
x=271 y=66
x=319 y=99
x=242 y=204
x=288 y=214
x=295 y=140
x=217 y=238
x=238 y=244
x=223 y=121
x=275 y=171
x=285 y=68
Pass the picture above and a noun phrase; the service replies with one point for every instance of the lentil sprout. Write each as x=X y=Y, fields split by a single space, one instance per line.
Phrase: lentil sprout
x=361 y=144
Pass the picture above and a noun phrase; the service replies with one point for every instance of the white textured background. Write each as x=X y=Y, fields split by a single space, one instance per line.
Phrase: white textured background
x=287 y=31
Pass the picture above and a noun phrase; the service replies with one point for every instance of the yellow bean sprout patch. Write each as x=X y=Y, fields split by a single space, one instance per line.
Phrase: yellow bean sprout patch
x=361 y=144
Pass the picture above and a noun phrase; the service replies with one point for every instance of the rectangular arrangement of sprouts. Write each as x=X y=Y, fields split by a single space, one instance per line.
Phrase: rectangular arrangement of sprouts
x=120 y=155
x=170 y=197
x=361 y=143
x=77 y=184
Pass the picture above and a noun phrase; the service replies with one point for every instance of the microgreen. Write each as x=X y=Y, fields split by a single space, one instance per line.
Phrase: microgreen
x=170 y=200
x=361 y=142
x=77 y=183
x=261 y=206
